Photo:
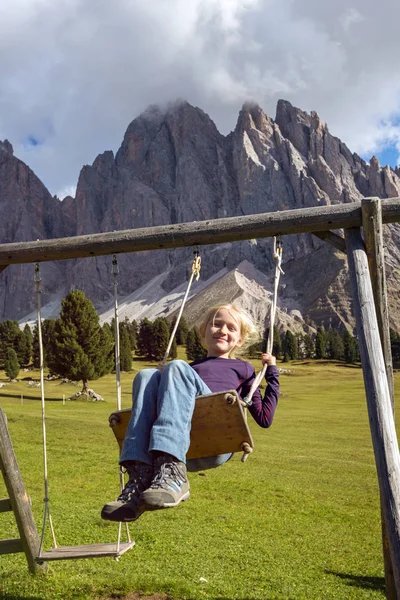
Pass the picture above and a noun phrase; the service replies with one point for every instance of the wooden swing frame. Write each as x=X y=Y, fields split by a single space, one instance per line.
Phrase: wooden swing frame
x=367 y=274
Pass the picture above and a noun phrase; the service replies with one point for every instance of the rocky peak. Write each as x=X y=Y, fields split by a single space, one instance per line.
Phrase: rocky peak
x=253 y=117
x=167 y=150
x=6 y=147
x=178 y=127
x=173 y=167
x=310 y=136
x=295 y=125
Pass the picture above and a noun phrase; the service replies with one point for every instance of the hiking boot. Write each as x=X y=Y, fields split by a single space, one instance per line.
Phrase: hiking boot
x=126 y=507
x=170 y=485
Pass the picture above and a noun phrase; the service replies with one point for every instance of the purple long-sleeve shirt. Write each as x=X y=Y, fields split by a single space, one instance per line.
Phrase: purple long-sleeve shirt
x=233 y=374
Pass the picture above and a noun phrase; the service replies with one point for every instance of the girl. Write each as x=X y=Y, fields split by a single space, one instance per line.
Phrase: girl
x=158 y=434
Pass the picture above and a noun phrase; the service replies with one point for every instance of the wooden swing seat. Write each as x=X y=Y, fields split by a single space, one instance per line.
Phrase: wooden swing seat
x=85 y=551
x=218 y=426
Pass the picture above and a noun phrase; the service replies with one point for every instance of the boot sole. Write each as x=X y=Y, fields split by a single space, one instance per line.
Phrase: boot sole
x=118 y=516
x=146 y=506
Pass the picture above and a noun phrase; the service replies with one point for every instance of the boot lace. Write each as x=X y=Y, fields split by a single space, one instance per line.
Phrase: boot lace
x=139 y=479
x=168 y=471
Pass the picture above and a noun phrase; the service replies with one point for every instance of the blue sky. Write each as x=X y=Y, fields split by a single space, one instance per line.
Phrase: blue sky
x=72 y=77
x=387 y=156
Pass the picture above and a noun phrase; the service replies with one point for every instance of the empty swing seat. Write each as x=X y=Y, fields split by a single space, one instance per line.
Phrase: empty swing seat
x=218 y=426
x=113 y=550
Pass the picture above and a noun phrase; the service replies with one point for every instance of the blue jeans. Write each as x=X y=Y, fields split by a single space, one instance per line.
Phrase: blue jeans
x=162 y=409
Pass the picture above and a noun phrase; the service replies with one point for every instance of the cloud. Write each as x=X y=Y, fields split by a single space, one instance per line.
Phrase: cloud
x=74 y=73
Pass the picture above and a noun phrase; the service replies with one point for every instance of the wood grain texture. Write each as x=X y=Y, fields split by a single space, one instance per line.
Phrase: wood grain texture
x=384 y=439
x=18 y=497
x=85 y=551
x=11 y=546
x=373 y=239
x=217 y=427
x=333 y=239
x=216 y=231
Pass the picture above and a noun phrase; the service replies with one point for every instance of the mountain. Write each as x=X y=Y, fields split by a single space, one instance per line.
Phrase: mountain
x=174 y=166
x=31 y=214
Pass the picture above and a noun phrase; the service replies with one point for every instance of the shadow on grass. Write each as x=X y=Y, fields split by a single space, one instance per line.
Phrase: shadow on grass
x=17 y=596
x=322 y=362
x=360 y=581
x=29 y=397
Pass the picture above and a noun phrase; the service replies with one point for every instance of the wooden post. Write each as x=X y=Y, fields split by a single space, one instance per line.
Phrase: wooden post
x=384 y=439
x=20 y=503
x=373 y=238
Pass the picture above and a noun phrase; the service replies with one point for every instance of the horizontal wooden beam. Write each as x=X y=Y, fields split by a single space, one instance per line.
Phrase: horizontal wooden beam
x=11 y=546
x=5 y=505
x=216 y=231
x=333 y=239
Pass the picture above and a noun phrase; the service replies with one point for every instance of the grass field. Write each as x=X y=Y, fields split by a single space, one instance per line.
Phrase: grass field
x=300 y=520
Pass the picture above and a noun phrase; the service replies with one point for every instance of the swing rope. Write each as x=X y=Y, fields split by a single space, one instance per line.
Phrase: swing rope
x=196 y=266
x=115 y=271
x=277 y=256
x=47 y=514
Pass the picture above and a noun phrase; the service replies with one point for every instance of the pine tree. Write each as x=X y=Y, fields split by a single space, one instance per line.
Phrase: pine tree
x=28 y=345
x=11 y=364
x=350 y=353
x=189 y=344
x=277 y=345
x=159 y=339
x=194 y=347
x=132 y=330
x=334 y=347
x=10 y=335
x=35 y=348
x=299 y=337
x=289 y=345
x=125 y=353
x=320 y=343
x=173 y=353
x=125 y=348
x=49 y=347
x=79 y=354
x=23 y=346
x=48 y=341
x=309 y=346
x=181 y=332
x=108 y=344
x=144 y=338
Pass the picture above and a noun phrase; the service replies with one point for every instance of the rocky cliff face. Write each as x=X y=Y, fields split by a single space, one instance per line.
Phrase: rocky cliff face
x=28 y=212
x=174 y=166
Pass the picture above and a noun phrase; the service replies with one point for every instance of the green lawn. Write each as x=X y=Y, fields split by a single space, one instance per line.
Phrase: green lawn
x=299 y=520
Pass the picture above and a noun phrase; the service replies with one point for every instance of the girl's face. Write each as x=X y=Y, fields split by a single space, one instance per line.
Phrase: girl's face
x=222 y=334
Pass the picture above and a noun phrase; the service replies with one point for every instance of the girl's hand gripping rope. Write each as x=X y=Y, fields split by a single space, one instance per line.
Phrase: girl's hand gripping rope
x=268 y=359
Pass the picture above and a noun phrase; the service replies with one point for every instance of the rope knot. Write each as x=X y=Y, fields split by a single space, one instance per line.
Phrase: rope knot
x=196 y=265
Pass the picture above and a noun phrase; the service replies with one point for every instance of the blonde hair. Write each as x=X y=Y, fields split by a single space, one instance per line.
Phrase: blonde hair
x=249 y=333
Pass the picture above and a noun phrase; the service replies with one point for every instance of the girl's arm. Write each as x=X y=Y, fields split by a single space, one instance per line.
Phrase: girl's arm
x=263 y=409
